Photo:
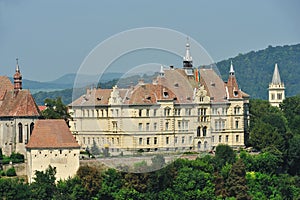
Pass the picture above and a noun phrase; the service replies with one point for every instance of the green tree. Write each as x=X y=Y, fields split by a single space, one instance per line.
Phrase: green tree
x=236 y=182
x=291 y=109
x=224 y=154
x=56 y=109
x=14 y=188
x=44 y=186
x=294 y=155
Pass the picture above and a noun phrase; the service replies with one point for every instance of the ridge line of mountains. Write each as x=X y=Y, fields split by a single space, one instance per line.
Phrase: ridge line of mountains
x=254 y=71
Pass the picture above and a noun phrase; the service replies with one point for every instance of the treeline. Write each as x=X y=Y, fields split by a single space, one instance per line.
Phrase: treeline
x=254 y=70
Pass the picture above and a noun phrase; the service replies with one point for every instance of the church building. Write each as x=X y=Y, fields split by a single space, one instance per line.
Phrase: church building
x=18 y=112
x=183 y=109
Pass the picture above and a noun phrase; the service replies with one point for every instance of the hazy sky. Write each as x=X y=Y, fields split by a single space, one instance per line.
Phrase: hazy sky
x=52 y=38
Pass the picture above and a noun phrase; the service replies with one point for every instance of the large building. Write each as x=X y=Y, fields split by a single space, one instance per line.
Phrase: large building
x=18 y=112
x=182 y=109
x=52 y=144
x=276 y=89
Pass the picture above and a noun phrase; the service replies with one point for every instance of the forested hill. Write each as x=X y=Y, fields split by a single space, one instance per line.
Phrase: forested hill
x=254 y=70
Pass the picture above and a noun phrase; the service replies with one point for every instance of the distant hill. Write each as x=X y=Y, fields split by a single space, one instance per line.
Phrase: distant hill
x=254 y=70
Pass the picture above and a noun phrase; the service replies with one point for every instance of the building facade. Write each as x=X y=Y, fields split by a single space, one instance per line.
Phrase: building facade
x=276 y=89
x=18 y=113
x=52 y=144
x=183 y=109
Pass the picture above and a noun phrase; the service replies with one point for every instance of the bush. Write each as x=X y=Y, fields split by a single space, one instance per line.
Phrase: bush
x=11 y=172
x=17 y=157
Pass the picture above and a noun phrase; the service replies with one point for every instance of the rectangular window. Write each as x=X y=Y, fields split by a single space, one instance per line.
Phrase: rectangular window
x=187 y=111
x=147 y=112
x=213 y=139
x=154 y=112
x=140 y=141
x=182 y=139
x=140 y=112
x=191 y=139
x=147 y=126
x=167 y=126
x=140 y=126
x=167 y=140
x=226 y=138
x=155 y=126
x=179 y=125
x=220 y=138
x=236 y=124
x=155 y=140
x=237 y=138
x=175 y=140
x=148 y=140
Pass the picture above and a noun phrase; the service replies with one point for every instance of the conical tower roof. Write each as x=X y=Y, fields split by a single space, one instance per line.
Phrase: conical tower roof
x=276 y=76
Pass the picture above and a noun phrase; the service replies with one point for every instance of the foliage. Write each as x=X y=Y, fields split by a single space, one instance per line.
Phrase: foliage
x=224 y=154
x=44 y=186
x=56 y=109
x=17 y=157
x=11 y=172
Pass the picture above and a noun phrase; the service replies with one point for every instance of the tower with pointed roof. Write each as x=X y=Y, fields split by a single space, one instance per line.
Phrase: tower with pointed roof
x=17 y=78
x=188 y=60
x=276 y=89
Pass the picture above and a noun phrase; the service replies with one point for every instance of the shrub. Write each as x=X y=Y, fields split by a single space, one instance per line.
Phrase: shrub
x=17 y=157
x=11 y=172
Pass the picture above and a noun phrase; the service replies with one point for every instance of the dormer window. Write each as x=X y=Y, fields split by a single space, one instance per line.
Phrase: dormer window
x=235 y=93
x=166 y=94
x=176 y=85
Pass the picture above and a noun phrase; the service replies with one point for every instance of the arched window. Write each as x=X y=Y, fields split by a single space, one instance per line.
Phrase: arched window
x=20 y=127
x=31 y=127
x=204 y=131
x=205 y=144
x=199 y=145
x=198 y=131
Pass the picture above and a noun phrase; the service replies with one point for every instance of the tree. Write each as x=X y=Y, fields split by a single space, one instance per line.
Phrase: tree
x=44 y=186
x=294 y=155
x=224 y=154
x=56 y=109
x=236 y=182
x=95 y=149
x=158 y=162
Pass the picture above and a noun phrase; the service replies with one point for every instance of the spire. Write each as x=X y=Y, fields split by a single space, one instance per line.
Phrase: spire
x=188 y=56
x=231 y=72
x=17 y=66
x=276 y=77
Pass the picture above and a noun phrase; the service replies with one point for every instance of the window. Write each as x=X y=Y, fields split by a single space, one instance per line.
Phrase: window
x=182 y=139
x=220 y=138
x=237 y=110
x=167 y=140
x=155 y=140
x=279 y=96
x=187 y=111
x=199 y=145
x=147 y=112
x=167 y=112
x=88 y=140
x=205 y=144
x=118 y=141
x=140 y=141
x=155 y=126
x=167 y=126
x=177 y=111
x=140 y=126
x=148 y=140
x=226 y=138
x=20 y=127
x=237 y=138
x=236 y=124
x=179 y=125
x=140 y=112
x=175 y=140
x=191 y=139
x=272 y=96
x=198 y=131
x=204 y=131
x=112 y=140
x=213 y=139
x=83 y=140
x=154 y=112
x=31 y=127
x=115 y=127
x=147 y=126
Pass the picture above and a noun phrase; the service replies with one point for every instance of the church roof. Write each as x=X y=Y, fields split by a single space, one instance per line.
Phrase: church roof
x=276 y=76
x=5 y=85
x=51 y=133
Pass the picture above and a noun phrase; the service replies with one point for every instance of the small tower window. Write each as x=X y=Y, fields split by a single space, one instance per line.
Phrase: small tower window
x=20 y=127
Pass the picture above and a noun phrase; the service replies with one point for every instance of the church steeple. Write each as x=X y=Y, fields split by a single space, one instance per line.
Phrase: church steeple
x=17 y=77
x=276 y=89
x=187 y=59
x=231 y=71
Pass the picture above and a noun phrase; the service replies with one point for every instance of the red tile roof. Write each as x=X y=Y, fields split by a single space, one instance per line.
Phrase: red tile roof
x=18 y=104
x=51 y=133
x=5 y=85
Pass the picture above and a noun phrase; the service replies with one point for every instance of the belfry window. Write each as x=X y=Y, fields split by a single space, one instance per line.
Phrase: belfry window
x=20 y=127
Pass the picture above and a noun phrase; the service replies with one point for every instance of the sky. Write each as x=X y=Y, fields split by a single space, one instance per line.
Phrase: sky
x=53 y=38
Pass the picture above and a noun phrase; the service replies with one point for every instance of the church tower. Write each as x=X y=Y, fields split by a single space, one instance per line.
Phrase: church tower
x=276 y=89
x=17 y=78
x=187 y=60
